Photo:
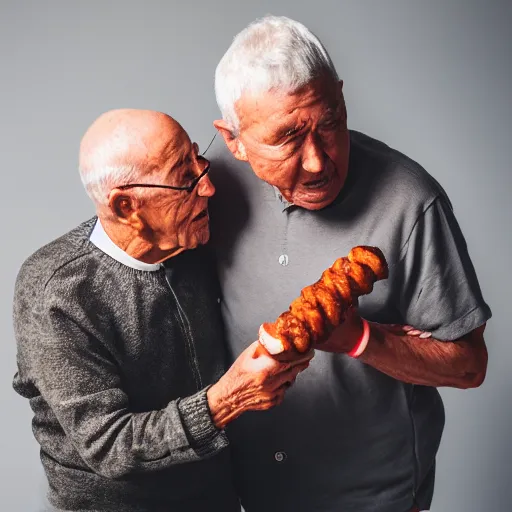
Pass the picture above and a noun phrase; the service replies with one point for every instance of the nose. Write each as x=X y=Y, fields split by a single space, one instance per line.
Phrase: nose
x=313 y=156
x=205 y=187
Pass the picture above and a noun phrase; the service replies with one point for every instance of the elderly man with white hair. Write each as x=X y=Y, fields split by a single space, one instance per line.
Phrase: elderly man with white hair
x=355 y=434
x=120 y=342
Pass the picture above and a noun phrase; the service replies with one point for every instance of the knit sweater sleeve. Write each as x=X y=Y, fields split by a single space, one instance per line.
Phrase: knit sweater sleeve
x=82 y=384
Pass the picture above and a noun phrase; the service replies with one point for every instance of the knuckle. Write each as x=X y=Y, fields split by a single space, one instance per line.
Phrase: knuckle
x=296 y=371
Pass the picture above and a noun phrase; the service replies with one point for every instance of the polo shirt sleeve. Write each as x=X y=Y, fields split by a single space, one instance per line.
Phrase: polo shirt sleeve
x=438 y=290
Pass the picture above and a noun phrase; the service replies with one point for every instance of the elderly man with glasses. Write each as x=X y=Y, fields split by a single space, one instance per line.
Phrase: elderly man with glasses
x=357 y=433
x=120 y=342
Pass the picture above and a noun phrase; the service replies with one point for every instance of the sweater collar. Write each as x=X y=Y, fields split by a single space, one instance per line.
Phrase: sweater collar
x=102 y=241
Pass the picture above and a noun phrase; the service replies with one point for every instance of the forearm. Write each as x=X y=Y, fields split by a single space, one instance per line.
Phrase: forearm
x=220 y=408
x=116 y=442
x=82 y=385
x=428 y=362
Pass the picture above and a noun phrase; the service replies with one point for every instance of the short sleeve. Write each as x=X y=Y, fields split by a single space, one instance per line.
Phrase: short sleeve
x=437 y=284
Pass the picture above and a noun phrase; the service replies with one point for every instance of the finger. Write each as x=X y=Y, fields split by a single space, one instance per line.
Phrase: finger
x=408 y=328
x=278 y=400
x=414 y=332
x=301 y=367
x=264 y=400
x=292 y=382
x=351 y=313
x=297 y=369
x=294 y=357
x=425 y=335
x=258 y=349
x=273 y=400
x=304 y=357
x=281 y=392
x=254 y=350
x=287 y=376
x=265 y=362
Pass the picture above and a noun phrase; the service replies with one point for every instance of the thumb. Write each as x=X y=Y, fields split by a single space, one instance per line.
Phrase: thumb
x=256 y=349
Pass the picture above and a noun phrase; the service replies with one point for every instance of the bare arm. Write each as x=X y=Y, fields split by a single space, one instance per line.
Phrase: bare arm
x=406 y=357
x=430 y=362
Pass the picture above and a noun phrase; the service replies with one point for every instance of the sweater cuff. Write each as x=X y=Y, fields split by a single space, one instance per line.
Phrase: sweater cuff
x=204 y=437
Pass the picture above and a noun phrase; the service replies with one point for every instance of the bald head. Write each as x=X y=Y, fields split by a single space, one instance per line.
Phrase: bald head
x=123 y=146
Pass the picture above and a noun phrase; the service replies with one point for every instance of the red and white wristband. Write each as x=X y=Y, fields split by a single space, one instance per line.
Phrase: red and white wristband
x=362 y=342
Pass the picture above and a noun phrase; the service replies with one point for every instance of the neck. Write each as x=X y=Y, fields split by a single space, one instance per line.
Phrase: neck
x=136 y=246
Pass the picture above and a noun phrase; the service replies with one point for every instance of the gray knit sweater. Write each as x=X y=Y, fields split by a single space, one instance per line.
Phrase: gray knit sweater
x=116 y=362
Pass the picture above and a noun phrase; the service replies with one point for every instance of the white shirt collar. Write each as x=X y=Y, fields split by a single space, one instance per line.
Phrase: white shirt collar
x=102 y=241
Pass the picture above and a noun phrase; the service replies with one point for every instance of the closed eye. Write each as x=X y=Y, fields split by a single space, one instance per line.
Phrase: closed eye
x=292 y=132
x=189 y=176
x=331 y=124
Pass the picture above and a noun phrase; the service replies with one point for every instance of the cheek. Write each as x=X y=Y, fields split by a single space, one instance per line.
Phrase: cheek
x=280 y=173
x=173 y=217
x=337 y=149
x=181 y=210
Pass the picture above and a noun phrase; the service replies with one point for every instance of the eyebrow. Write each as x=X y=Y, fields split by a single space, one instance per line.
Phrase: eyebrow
x=331 y=112
x=284 y=129
x=182 y=159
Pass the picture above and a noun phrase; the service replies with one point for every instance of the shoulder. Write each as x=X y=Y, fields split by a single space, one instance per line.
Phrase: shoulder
x=44 y=266
x=398 y=176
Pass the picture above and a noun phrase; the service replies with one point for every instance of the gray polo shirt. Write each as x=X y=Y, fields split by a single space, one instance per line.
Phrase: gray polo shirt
x=347 y=437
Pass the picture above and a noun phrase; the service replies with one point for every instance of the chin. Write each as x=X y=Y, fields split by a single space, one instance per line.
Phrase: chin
x=323 y=200
x=316 y=204
x=199 y=238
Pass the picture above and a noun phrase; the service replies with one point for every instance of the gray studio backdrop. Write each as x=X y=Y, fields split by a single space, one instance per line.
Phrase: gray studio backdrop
x=432 y=79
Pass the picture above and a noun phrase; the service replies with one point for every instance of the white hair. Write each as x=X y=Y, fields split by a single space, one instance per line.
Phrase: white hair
x=100 y=181
x=104 y=167
x=273 y=52
x=100 y=173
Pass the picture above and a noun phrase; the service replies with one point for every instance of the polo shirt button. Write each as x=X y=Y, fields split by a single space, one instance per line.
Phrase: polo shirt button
x=283 y=260
x=280 y=456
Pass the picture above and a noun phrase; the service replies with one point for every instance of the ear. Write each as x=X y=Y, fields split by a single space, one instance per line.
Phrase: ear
x=339 y=87
x=339 y=90
x=125 y=208
x=234 y=144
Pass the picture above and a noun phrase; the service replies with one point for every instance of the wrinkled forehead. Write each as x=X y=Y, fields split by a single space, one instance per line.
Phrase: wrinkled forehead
x=273 y=107
x=169 y=149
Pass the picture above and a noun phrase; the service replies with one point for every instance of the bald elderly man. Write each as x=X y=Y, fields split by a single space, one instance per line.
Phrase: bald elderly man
x=120 y=344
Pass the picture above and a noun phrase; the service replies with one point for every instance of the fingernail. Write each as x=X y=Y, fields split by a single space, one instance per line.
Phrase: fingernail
x=425 y=335
x=414 y=332
x=408 y=328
